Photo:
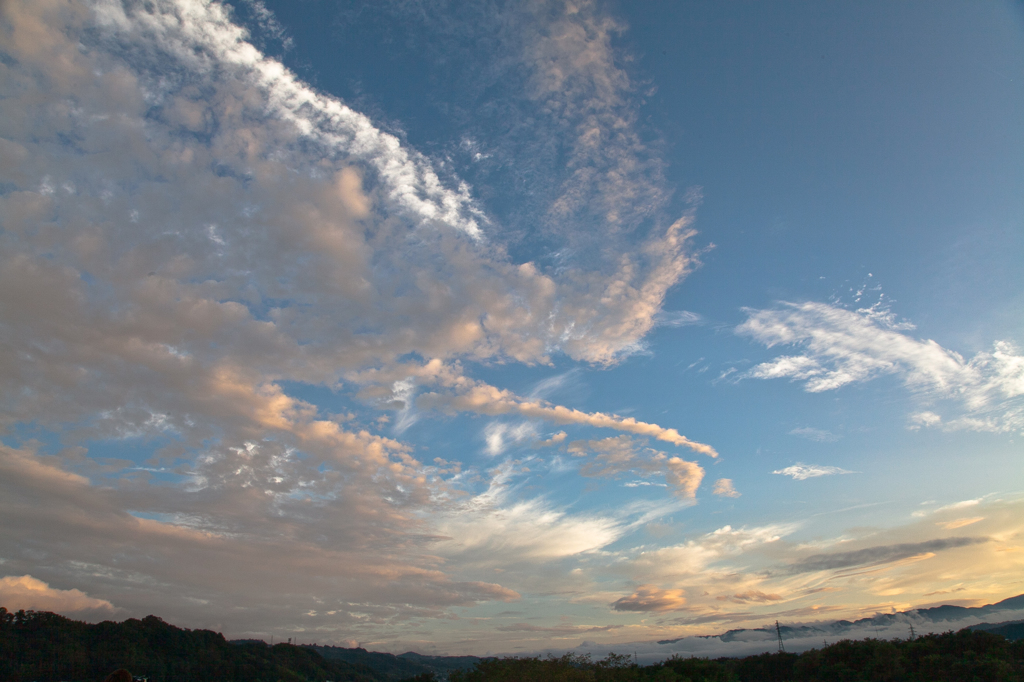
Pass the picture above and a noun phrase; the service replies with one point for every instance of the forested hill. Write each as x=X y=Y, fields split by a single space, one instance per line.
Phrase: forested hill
x=965 y=656
x=400 y=667
x=46 y=647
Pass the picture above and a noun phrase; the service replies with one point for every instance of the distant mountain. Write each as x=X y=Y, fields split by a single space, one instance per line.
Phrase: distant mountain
x=940 y=613
x=442 y=663
x=878 y=623
x=1011 y=631
x=386 y=666
x=391 y=667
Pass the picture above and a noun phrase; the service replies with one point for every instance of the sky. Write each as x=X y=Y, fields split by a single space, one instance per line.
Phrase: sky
x=490 y=327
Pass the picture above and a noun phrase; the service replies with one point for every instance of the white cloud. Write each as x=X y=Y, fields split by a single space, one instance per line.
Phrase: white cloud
x=189 y=231
x=842 y=346
x=499 y=435
x=556 y=439
x=801 y=472
x=955 y=506
x=696 y=558
x=819 y=435
x=724 y=488
x=268 y=24
x=453 y=391
x=677 y=318
x=474 y=396
x=544 y=388
x=529 y=530
x=611 y=177
x=493 y=528
x=31 y=594
x=619 y=455
x=651 y=598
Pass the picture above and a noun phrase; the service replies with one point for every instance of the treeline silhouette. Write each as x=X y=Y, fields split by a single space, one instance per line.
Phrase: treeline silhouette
x=46 y=647
x=964 y=656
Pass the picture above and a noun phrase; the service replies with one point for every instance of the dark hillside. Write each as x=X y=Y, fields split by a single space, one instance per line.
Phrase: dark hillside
x=385 y=666
x=46 y=647
x=965 y=656
x=1011 y=631
x=401 y=667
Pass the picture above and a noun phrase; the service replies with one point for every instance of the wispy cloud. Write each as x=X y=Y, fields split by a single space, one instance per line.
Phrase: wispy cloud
x=267 y=25
x=756 y=596
x=954 y=506
x=468 y=395
x=651 y=598
x=677 y=318
x=879 y=555
x=694 y=559
x=801 y=472
x=841 y=346
x=724 y=488
x=742 y=574
x=567 y=630
x=499 y=435
x=228 y=233
x=494 y=528
x=555 y=439
x=960 y=523
x=545 y=387
x=819 y=435
x=622 y=454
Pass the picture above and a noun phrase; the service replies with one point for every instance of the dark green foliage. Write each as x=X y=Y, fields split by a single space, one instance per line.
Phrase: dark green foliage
x=441 y=665
x=1011 y=631
x=965 y=656
x=386 y=666
x=700 y=670
x=47 y=647
x=568 y=668
x=422 y=677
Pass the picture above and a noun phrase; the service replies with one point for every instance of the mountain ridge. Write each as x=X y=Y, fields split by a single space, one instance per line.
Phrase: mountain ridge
x=934 y=614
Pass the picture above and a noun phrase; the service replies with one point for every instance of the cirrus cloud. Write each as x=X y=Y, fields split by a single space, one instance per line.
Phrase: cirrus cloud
x=880 y=554
x=841 y=347
x=192 y=238
x=621 y=454
x=801 y=472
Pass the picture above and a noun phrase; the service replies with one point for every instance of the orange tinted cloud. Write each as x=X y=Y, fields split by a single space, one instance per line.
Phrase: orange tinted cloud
x=651 y=598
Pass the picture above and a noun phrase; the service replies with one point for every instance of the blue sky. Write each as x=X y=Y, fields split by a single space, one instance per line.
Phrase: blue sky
x=487 y=327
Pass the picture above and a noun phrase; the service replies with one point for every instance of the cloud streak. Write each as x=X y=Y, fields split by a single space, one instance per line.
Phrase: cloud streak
x=841 y=347
x=621 y=454
x=879 y=555
x=801 y=472
x=651 y=598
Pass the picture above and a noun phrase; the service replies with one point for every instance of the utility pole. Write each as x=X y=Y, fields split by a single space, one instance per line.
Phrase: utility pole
x=778 y=630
